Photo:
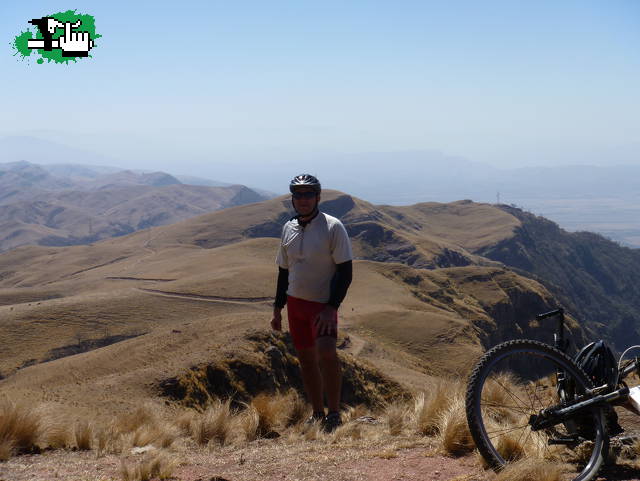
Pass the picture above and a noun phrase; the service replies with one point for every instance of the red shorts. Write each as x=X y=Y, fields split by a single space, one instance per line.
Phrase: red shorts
x=301 y=326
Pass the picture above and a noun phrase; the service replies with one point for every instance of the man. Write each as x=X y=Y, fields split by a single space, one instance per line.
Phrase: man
x=314 y=273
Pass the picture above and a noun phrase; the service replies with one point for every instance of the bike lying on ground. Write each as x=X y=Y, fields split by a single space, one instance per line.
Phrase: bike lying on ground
x=526 y=398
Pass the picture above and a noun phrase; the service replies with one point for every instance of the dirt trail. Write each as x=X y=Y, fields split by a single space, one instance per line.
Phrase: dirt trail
x=199 y=297
x=260 y=460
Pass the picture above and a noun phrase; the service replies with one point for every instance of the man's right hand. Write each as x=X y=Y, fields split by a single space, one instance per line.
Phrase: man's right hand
x=276 y=320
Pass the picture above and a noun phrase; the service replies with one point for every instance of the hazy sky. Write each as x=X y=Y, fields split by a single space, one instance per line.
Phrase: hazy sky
x=192 y=83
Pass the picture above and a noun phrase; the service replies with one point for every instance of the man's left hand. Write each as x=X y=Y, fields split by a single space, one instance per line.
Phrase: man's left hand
x=326 y=322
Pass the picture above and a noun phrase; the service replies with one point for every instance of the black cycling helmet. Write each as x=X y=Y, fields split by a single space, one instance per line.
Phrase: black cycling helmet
x=305 y=180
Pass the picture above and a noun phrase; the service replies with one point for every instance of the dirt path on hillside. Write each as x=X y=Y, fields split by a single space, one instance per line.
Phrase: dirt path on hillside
x=266 y=460
x=261 y=460
x=200 y=297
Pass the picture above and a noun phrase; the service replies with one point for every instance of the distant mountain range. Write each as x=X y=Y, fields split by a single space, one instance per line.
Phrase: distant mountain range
x=580 y=197
x=66 y=204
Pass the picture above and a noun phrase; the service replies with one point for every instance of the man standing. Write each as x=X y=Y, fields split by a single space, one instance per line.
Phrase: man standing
x=314 y=273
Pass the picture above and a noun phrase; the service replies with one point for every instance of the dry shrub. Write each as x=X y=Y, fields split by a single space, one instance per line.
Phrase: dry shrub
x=83 y=434
x=394 y=418
x=429 y=407
x=453 y=430
x=530 y=470
x=262 y=416
x=20 y=428
x=156 y=466
x=214 y=424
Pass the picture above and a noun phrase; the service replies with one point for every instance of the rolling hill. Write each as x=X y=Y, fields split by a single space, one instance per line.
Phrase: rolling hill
x=102 y=327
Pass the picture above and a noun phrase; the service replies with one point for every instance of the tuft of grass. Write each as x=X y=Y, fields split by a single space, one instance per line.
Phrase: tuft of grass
x=453 y=430
x=350 y=429
x=386 y=454
x=394 y=418
x=185 y=421
x=296 y=409
x=57 y=434
x=250 y=422
x=262 y=417
x=214 y=425
x=150 y=467
x=20 y=428
x=500 y=391
x=83 y=435
x=530 y=470
x=429 y=407
x=511 y=448
x=6 y=449
x=130 y=422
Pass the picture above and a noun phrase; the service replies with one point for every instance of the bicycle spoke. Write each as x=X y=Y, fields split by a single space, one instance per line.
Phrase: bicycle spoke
x=518 y=409
x=508 y=391
x=502 y=432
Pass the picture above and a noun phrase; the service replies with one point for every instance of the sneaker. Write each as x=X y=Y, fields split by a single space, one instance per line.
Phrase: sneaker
x=331 y=421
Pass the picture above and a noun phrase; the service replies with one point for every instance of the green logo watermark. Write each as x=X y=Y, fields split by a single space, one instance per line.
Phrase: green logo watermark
x=59 y=37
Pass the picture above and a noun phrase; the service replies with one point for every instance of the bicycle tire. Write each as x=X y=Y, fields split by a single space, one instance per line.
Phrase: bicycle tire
x=537 y=358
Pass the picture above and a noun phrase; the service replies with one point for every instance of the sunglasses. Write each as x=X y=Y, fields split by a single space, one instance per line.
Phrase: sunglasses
x=304 y=195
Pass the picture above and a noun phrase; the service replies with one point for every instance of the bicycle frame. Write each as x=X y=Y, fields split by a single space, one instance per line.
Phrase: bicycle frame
x=588 y=400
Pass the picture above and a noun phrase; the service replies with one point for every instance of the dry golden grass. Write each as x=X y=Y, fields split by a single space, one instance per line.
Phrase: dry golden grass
x=395 y=416
x=453 y=431
x=386 y=454
x=354 y=412
x=530 y=470
x=57 y=433
x=428 y=408
x=511 y=448
x=263 y=416
x=295 y=407
x=349 y=430
x=184 y=422
x=502 y=390
x=158 y=466
x=83 y=435
x=214 y=425
x=6 y=449
x=131 y=421
x=20 y=428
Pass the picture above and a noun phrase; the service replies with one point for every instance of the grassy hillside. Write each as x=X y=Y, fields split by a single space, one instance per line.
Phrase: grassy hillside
x=125 y=316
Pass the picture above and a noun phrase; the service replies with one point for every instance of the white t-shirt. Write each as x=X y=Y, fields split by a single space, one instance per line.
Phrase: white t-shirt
x=311 y=254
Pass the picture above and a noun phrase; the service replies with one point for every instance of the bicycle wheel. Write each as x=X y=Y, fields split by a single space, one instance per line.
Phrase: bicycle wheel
x=516 y=380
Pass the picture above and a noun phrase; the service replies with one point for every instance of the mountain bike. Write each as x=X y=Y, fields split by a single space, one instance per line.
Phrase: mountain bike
x=526 y=398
